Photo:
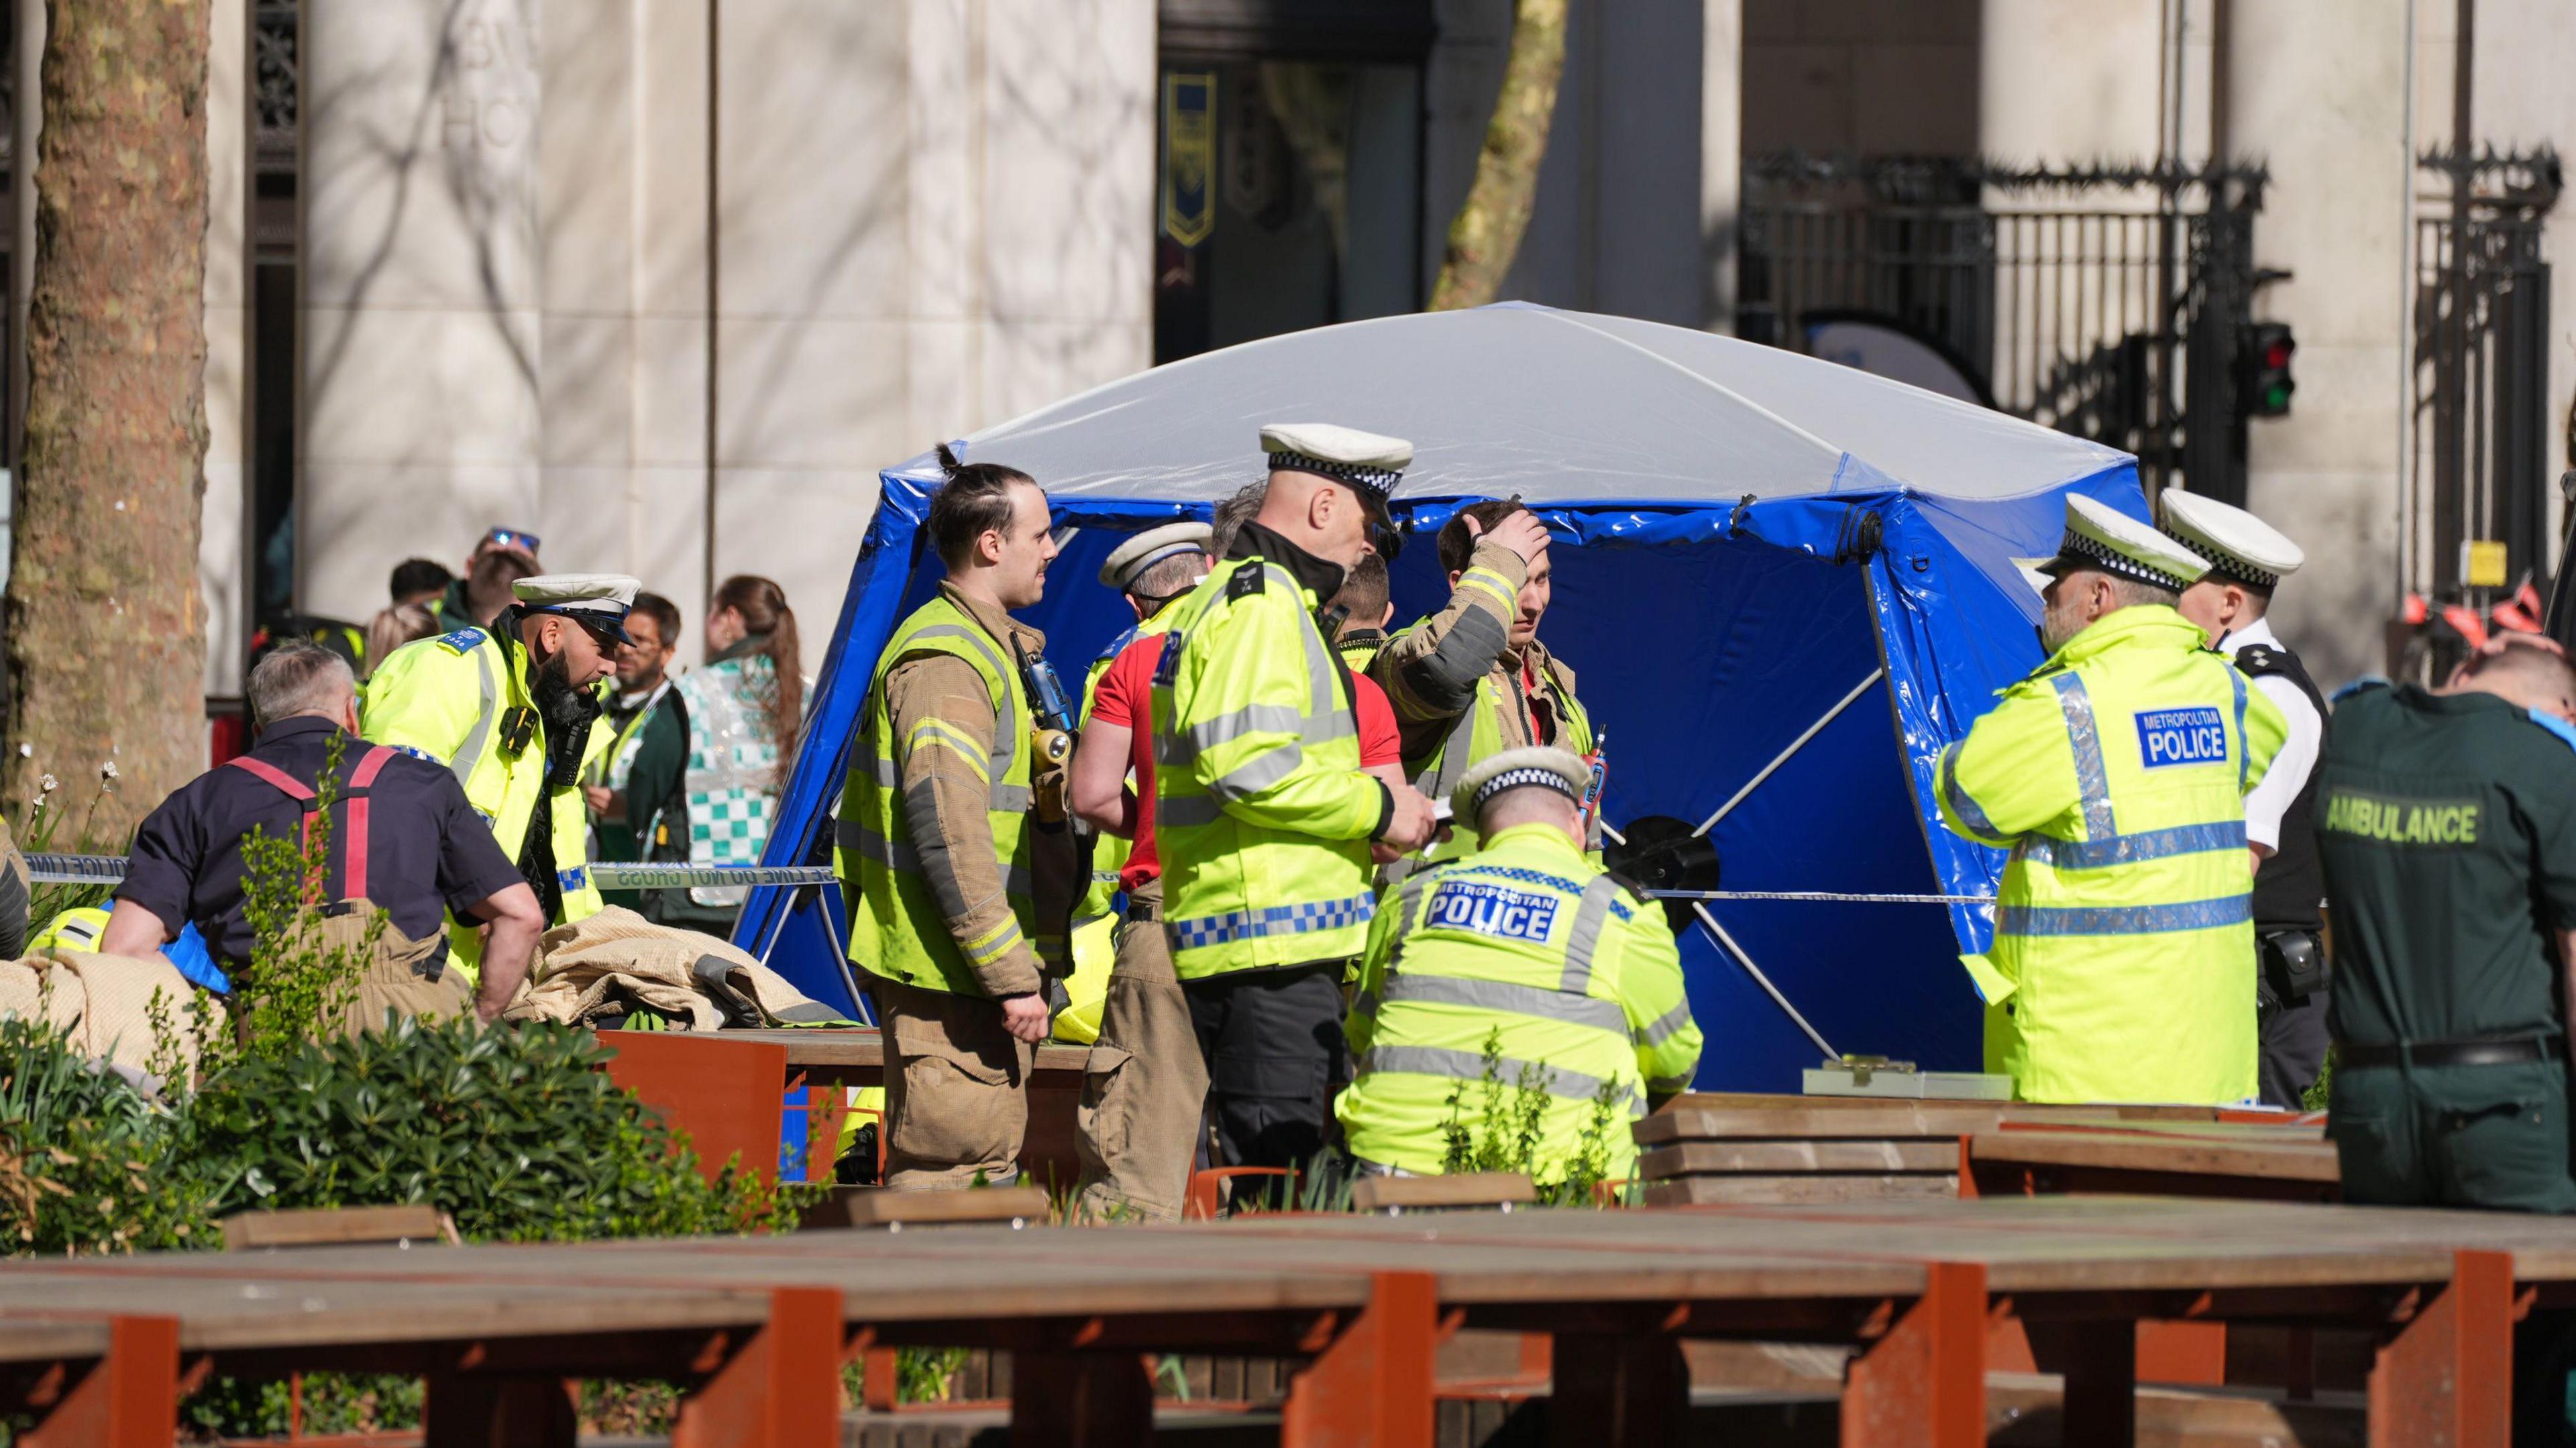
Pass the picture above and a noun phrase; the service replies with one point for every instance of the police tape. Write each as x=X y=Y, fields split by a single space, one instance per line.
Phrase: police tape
x=1830 y=896
x=46 y=869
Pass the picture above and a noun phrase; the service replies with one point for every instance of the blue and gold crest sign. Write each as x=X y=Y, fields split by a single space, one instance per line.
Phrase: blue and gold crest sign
x=1189 y=155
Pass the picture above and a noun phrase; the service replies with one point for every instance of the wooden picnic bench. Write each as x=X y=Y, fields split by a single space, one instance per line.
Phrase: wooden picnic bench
x=759 y=1327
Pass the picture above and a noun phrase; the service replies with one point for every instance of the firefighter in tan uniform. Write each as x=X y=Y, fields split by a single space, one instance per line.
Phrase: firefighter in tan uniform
x=960 y=885
x=1144 y=1084
x=1473 y=680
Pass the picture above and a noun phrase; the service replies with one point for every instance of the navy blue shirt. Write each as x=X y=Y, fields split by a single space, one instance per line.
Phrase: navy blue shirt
x=427 y=850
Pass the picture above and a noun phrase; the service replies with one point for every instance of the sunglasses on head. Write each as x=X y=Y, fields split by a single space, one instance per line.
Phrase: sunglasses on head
x=511 y=538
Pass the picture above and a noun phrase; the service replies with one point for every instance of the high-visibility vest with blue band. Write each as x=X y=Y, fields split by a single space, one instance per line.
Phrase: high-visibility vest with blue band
x=1261 y=813
x=1476 y=736
x=2123 y=967
x=443 y=699
x=1528 y=945
x=898 y=923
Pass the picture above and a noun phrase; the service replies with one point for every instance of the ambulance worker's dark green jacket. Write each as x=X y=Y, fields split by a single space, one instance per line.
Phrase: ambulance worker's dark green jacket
x=2447 y=827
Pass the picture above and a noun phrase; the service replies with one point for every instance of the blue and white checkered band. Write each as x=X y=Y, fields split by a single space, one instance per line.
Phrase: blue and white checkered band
x=1517 y=778
x=2094 y=553
x=1380 y=481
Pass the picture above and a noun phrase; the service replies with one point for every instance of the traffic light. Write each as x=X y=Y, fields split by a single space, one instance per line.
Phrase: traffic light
x=2264 y=384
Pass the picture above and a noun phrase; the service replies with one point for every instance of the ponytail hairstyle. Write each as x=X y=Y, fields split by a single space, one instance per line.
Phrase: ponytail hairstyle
x=766 y=616
x=975 y=499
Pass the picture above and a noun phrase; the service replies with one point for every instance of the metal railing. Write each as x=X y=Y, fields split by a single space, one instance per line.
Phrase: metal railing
x=2480 y=469
x=2107 y=302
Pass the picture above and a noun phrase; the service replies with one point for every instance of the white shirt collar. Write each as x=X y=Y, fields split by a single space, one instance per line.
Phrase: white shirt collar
x=2257 y=632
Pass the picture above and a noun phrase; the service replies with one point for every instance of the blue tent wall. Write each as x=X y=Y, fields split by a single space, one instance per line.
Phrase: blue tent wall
x=1746 y=599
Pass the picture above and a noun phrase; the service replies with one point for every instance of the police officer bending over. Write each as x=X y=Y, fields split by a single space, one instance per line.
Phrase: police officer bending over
x=2123 y=960
x=403 y=839
x=1528 y=941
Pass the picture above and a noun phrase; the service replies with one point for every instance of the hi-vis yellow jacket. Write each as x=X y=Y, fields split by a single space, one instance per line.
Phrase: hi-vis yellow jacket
x=1261 y=814
x=1525 y=943
x=2123 y=966
x=444 y=699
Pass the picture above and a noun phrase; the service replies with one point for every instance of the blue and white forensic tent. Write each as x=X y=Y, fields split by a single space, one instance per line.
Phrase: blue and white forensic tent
x=1753 y=548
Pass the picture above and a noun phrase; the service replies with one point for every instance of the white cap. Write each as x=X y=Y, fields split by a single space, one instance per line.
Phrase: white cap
x=2238 y=545
x=601 y=600
x=1133 y=557
x=1535 y=764
x=2101 y=536
x=1365 y=460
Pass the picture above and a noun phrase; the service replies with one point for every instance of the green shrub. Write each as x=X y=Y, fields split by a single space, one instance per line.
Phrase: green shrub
x=83 y=1156
x=514 y=1133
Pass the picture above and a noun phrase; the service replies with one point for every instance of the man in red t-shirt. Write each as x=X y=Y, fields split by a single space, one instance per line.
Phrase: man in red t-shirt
x=1146 y=1084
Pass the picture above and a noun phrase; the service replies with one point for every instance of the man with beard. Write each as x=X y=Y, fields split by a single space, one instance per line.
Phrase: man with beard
x=500 y=560
x=2123 y=960
x=511 y=711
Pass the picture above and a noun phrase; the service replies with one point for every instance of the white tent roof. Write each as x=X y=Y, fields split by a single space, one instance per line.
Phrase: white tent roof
x=1555 y=406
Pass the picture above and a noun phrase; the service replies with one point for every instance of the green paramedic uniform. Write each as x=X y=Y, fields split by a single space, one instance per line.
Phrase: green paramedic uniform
x=2447 y=825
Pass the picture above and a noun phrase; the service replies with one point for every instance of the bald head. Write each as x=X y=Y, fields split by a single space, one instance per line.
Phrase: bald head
x=2531 y=675
x=1322 y=515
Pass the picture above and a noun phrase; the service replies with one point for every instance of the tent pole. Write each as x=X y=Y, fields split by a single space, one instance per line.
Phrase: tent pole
x=1794 y=746
x=1764 y=981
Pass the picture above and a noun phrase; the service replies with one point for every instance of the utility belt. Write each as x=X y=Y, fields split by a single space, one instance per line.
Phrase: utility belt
x=2293 y=968
x=2470 y=1051
x=1143 y=911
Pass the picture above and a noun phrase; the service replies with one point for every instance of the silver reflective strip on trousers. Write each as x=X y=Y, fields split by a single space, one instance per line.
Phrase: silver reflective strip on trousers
x=1508 y=999
x=470 y=753
x=900 y=857
x=1470 y=1066
x=1585 y=937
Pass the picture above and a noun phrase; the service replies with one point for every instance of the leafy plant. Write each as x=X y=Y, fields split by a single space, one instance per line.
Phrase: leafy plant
x=514 y=1133
x=83 y=1156
x=302 y=977
x=1507 y=1130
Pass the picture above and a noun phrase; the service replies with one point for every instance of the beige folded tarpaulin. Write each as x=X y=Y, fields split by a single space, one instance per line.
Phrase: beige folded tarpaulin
x=102 y=1003
x=616 y=960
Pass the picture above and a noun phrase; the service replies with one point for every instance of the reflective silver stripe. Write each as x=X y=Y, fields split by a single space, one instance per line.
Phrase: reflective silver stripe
x=1451 y=765
x=1518 y=1000
x=1470 y=1066
x=2244 y=751
x=1408 y=912
x=1260 y=774
x=1012 y=798
x=2091 y=779
x=1664 y=1027
x=1961 y=804
x=1319 y=658
x=2124 y=919
x=900 y=857
x=887 y=773
x=2132 y=849
x=1194 y=810
x=1586 y=935
x=1006 y=732
x=1251 y=718
x=470 y=753
x=1181 y=752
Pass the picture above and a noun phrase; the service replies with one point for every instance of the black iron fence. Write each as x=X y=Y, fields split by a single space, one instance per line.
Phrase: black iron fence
x=2108 y=302
x=2480 y=472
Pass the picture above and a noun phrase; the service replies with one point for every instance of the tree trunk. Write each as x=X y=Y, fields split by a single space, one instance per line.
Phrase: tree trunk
x=1486 y=233
x=106 y=642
